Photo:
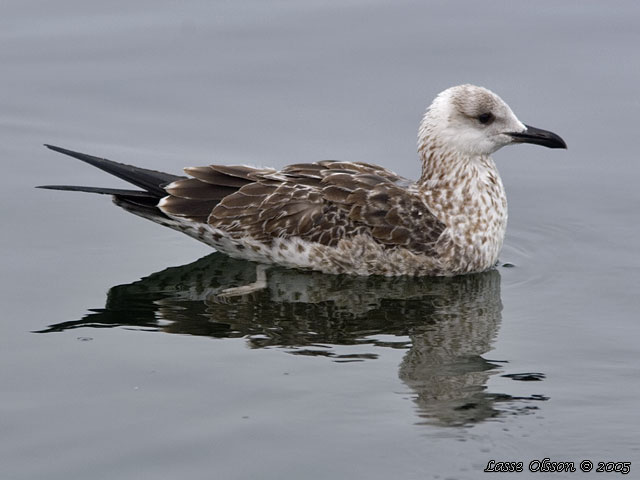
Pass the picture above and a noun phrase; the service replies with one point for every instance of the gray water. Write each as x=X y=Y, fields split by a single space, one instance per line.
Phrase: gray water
x=106 y=376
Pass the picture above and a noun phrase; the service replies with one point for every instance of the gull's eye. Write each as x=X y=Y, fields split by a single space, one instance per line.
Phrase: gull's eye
x=486 y=118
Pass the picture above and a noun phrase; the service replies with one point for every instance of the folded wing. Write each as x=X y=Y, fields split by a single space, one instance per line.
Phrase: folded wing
x=320 y=202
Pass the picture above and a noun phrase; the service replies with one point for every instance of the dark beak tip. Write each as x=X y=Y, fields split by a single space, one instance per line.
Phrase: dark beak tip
x=537 y=136
x=558 y=143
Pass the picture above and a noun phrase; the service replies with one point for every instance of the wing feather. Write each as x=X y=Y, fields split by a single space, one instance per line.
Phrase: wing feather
x=321 y=202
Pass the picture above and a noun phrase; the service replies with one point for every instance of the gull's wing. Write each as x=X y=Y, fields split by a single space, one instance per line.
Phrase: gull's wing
x=321 y=202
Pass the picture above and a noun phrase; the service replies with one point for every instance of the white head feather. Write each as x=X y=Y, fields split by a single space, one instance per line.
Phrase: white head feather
x=468 y=120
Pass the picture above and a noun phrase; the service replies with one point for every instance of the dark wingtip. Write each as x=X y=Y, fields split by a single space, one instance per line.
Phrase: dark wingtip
x=152 y=181
x=71 y=153
x=56 y=187
x=54 y=148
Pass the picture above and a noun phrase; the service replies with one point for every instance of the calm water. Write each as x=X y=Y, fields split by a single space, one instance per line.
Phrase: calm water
x=119 y=359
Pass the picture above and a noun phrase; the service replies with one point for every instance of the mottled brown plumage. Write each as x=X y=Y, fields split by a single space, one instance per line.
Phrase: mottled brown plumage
x=321 y=202
x=351 y=217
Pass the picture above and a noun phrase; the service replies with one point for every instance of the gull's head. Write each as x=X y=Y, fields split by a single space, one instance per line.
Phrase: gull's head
x=475 y=121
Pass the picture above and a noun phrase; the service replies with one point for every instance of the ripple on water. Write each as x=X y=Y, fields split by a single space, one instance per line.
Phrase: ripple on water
x=537 y=252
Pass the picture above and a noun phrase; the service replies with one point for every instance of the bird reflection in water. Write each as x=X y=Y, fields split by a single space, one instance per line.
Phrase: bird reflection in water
x=445 y=324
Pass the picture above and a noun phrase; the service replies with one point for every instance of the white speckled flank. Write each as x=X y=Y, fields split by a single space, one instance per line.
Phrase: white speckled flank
x=351 y=217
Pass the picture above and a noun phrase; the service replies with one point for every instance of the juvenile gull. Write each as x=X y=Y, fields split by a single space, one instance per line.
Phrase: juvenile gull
x=351 y=217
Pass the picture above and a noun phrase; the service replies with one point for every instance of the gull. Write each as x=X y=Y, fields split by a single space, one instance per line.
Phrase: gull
x=350 y=217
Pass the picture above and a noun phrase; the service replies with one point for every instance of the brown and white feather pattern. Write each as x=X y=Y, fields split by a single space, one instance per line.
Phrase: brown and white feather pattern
x=357 y=218
x=354 y=218
x=336 y=217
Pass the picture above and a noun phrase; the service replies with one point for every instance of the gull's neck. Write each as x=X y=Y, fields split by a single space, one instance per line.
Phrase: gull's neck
x=464 y=191
x=446 y=160
x=443 y=167
x=456 y=182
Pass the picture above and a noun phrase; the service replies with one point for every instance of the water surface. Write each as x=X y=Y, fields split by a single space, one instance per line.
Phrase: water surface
x=121 y=359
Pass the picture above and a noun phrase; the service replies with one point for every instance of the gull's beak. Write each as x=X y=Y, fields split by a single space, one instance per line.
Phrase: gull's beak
x=538 y=136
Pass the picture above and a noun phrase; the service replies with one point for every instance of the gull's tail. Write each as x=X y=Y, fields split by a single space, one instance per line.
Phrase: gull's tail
x=141 y=202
